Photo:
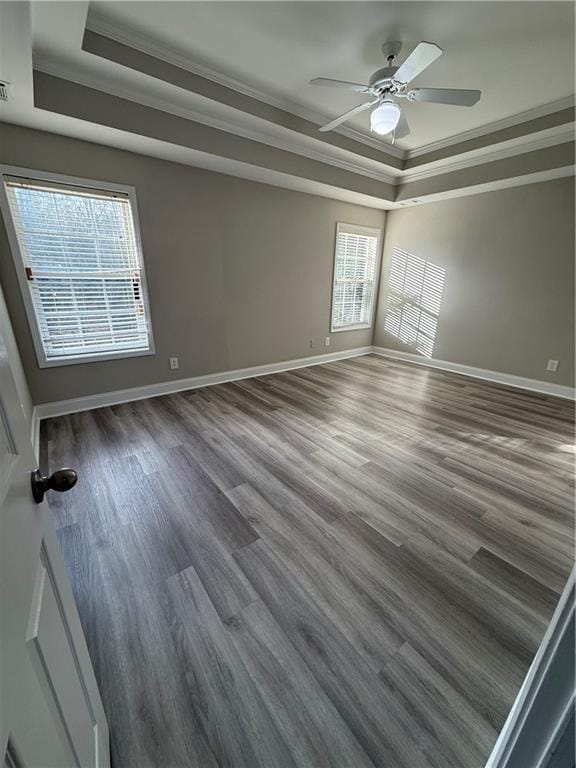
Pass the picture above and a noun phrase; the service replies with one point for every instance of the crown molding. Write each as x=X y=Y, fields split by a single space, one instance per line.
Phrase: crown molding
x=498 y=125
x=543 y=140
x=271 y=137
x=551 y=174
x=100 y=25
x=263 y=135
x=143 y=43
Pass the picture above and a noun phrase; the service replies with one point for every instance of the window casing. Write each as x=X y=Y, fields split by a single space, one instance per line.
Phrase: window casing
x=76 y=247
x=356 y=263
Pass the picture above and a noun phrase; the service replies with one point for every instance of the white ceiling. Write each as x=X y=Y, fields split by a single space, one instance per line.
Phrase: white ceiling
x=520 y=54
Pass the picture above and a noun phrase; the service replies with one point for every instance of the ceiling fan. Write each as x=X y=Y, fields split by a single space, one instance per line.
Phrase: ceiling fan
x=389 y=83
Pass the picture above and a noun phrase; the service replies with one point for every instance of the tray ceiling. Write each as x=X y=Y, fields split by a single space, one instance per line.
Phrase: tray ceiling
x=520 y=54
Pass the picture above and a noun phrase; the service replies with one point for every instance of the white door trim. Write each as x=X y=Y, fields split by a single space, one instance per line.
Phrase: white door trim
x=519 y=721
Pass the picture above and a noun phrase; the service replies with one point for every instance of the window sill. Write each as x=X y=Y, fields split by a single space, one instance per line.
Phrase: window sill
x=53 y=362
x=357 y=327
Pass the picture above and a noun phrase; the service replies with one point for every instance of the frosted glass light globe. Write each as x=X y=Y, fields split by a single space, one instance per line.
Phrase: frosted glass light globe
x=385 y=118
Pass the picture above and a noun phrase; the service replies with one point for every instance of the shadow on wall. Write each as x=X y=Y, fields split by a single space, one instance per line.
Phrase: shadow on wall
x=414 y=299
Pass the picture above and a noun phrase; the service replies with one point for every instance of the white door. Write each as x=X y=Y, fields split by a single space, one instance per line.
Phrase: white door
x=51 y=714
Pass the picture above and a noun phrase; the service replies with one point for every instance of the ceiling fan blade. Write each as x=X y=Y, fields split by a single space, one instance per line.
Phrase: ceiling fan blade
x=402 y=129
x=420 y=58
x=348 y=115
x=460 y=97
x=340 y=84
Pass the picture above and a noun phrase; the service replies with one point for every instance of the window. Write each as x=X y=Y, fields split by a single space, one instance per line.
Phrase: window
x=79 y=262
x=355 y=265
x=414 y=298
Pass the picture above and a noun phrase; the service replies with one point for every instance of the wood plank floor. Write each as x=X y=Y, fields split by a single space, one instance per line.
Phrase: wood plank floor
x=345 y=565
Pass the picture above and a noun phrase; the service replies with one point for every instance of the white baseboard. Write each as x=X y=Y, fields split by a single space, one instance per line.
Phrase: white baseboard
x=59 y=408
x=533 y=385
x=62 y=407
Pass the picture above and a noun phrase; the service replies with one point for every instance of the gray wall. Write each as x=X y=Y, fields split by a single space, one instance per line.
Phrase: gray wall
x=509 y=294
x=239 y=273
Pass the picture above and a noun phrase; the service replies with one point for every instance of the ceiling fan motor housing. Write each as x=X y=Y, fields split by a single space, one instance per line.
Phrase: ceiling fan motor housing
x=382 y=75
x=382 y=83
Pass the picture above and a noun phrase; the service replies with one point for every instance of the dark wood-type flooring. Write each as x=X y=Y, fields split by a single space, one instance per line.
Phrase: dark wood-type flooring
x=345 y=565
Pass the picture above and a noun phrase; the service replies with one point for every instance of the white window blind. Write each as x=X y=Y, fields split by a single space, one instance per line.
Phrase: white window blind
x=83 y=270
x=356 y=261
x=415 y=292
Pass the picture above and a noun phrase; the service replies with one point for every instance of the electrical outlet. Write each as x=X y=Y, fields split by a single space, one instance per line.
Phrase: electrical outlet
x=327 y=341
x=174 y=364
x=553 y=365
x=312 y=343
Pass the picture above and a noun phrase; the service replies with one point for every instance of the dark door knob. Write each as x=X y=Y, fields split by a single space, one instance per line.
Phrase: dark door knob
x=61 y=480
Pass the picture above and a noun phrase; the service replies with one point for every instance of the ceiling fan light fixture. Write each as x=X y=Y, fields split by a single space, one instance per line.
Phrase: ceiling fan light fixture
x=385 y=117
